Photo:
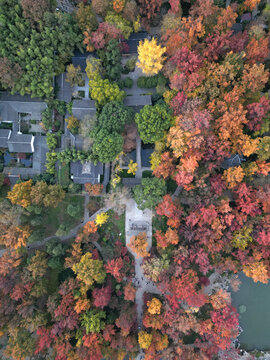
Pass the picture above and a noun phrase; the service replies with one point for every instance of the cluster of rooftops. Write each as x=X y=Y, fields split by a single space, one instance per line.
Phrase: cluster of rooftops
x=13 y=108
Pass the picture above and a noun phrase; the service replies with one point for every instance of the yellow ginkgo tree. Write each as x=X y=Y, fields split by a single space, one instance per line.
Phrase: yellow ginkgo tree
x=101 y=218
x=132 y=167
x=151 y=57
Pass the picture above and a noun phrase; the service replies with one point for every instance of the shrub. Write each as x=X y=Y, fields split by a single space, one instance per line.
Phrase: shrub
x=128 y=82
x=47 y=118
x=60 y=106
x=131 y=63
x=63 y=230
x=69 y=107
x=74 y=188
x=74 y=211
x=148 y=82
x=51 y=141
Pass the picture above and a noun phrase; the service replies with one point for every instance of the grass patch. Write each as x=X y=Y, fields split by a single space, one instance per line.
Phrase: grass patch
x=63 y=175
x=56 y=216
x=120 y=222
x=147 y=174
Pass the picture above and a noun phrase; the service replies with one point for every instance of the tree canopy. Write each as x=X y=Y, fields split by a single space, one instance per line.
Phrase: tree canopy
x=114 y=116
x=38 y=53
x=149 y=193
x=152 y=121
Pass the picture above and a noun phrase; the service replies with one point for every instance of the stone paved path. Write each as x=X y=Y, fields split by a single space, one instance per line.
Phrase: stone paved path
x=134 y=215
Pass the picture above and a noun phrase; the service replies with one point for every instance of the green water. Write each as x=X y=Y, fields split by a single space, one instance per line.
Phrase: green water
x=255 y=321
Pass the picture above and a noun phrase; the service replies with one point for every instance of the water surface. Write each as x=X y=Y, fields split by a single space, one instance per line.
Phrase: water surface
x=255 y=321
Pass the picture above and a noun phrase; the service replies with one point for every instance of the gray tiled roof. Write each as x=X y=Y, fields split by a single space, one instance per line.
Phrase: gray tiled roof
x=20 y=143
x=80 y=108
x=82 y=177
x=138 y=100
x=79 y=59
x=79 y=142
x=4 y=135
x=233 y=160
x=11 y=105
x=39 y=156
x=133 y=42
x=39 y=159
x=64 y=89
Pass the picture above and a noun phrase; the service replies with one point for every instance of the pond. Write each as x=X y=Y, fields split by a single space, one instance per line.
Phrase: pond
x=11 y=160
x=27 y=162
x=146 y=157
x=255 y=316
x=146 y=152
x=8 y=158
x=129 y=156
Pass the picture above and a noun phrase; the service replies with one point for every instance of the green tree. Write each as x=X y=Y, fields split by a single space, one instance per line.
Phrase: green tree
x=74 y=75
x=111 y=60
x=107 y=146
x=149 y=193
x=51 y=140
x=56 y=262
x=89 y=270
x=51 y=158
x=102 y=91
x=114 y=116
x=63 y=230
x=54 y=247
x=47 y=118
x=40 y=52
x=152 y=121
x=92 y=320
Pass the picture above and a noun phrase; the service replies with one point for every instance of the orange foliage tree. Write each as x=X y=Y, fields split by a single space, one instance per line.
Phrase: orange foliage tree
x=154 y=306
x=20 y=194
x=257 y=271
x=93 y=189
x=139 y=244
x=14 y=237
x=233 y=176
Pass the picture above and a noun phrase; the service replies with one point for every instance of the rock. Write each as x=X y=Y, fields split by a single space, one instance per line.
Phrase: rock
x=242 y=309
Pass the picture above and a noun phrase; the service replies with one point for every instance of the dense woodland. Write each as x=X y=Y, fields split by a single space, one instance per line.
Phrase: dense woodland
x=75 y=300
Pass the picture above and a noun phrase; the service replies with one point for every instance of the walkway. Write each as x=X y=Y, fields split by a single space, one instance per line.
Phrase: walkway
x=106 y=180
x=139 y=157
x=134 y=215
